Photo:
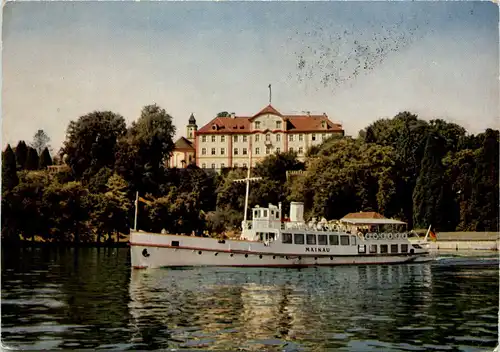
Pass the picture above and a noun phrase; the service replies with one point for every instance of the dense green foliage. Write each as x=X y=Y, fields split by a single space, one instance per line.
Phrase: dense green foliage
x=421 y=172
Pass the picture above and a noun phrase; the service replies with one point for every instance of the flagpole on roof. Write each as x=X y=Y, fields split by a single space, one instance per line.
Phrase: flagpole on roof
x=270 y=94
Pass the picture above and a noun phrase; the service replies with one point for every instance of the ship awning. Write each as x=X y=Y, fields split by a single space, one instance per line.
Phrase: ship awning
x=373 y=221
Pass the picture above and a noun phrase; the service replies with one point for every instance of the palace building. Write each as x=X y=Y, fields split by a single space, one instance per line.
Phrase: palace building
x=227 y=141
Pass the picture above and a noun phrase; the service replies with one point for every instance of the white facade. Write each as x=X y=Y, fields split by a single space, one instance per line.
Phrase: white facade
x=227 y=142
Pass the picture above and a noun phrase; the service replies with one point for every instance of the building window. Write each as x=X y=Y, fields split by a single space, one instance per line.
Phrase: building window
x=244 y=165
x=213 y=166
x=268 y=150
x=290 y=138
x=291 y=150
x=222 y=139
x=257 y=124
x=222 y=151
x=213 y=151
x=323 y=124
x=235 y=164
x=213 y=139
x=222 y=165
x=257 y=151
x=268 y=137
x=244 y=151
x=257 y=137
x=323 y=136
x=301 y=150
x=235 y=151
x=244 y=138
x=235 y=138
x=313 y=137
x=203 y=151
x=278 y=138
x=203 y=166
x=301 y=137
x=278 y=150
x=203 y=138
x=278 y=124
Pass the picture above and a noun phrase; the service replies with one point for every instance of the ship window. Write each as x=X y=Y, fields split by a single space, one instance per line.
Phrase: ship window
x=361 y=248
x=299 y=238
x=404 y=248
x=373 y=248
x=344 y=240
x=311 y=239
x=260 y=235
x=265 y=213
x=353 y=240
x=322 y=240
x=334 y=240
x=383 y=248
x=270 y=236
x=287 y=238
x=175 y=243
x=272 y=212
x=394 y=248
x=277 y=215
x=256 y=214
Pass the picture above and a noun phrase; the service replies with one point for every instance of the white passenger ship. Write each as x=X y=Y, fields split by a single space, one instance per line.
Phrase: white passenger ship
x=267 y=241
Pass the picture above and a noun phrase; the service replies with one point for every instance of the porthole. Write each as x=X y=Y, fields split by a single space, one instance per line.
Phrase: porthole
x=300 y=257
x=246 y=255
x=199 y=252
x=331 y=258
x=216 y=253
x=286 y=257
x=231 y=254
x=260 y=256
x=274 y=257
x=145 y=253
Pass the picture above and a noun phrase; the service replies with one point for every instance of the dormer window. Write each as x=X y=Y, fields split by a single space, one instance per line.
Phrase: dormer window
x=257 y=124
x=214 y=127
x=323 y=124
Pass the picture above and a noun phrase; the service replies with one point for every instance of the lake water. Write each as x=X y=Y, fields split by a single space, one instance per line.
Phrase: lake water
x=90 y=298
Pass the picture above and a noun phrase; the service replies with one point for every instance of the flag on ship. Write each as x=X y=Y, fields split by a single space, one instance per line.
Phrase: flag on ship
x=432 y=236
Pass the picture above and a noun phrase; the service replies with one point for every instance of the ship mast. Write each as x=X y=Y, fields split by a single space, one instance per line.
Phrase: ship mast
x=247 y=180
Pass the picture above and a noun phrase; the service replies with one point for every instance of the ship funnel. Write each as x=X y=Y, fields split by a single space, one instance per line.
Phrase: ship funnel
x=297 y=212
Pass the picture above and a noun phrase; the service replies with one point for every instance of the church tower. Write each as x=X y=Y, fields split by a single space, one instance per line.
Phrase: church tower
x=191 y=128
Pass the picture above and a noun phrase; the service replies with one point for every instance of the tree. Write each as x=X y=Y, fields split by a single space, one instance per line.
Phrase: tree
x=45 y=159
x=9 y=173
x=223 y=114
x=91 y=142
x=21 y=155
x=32 y=160
x=40 y=141
x=430 y=194
x=141 y=155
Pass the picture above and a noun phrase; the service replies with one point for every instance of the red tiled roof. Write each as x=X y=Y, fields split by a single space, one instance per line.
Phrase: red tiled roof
x=294 y=123
x=268 y=110
x=183 y=144
x=364 y=215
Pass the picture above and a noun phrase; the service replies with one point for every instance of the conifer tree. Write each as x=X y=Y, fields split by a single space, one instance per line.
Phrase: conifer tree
x=429 y=194
x=9 y=173
x=31 y=159
x=45 y=159
x=21 y=155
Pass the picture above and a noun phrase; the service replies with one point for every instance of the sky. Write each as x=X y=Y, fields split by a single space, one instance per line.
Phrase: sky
x=355 y=61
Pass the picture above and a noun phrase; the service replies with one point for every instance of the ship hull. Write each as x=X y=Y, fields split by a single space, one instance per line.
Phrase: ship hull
x=156 y=251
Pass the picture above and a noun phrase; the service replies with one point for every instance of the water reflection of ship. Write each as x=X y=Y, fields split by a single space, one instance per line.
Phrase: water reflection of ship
x=232 y=308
